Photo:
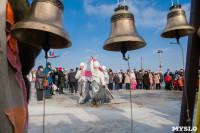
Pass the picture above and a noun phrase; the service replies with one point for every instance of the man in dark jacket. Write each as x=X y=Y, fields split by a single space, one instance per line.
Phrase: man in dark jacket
x=146 y=80
x=40 y=75
x=139 y=79
x=76 y=81
x=61 y=80
x=116 y=81
x=72 y=80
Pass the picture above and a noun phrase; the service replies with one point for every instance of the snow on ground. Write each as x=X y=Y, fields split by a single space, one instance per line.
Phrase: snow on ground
x=154 y=111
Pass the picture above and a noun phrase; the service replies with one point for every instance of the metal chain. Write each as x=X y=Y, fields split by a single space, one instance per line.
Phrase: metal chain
x=44 y=93
x=130 y=97
x=184 y=88
x=131 y=103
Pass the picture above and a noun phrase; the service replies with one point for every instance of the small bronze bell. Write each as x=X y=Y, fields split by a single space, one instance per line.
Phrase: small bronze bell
x=123 y=33
x=44 y=24
x=177 y=25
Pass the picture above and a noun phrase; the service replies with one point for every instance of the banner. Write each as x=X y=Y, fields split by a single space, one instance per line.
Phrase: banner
x=87 y=70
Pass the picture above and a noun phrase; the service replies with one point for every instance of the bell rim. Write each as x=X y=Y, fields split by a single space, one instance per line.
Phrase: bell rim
x=119 y=39
x=26 y=25
x=182 y=27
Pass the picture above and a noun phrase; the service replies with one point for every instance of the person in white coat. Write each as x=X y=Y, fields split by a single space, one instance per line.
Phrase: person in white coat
x=100 y=93
x=83 y=85
x=106 y=76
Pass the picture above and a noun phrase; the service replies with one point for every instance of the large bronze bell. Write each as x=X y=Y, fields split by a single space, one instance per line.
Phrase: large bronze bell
x=43 y=25
x=177 y=25
x=123 y=33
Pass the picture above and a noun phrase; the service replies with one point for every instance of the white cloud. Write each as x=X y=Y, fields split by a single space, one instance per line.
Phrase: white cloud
x=146 y=15
x=101 y=9
x=90 y=26
x=88 y=50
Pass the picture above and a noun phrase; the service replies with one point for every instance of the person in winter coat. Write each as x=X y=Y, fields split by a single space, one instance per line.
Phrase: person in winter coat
x=111 y=76
x=49 y=73
x=83 y=85
x=175 y=81
x=146 y=80
x=72 y=80
x=40 y=75
x=120 y=79
x=76 y=81
x=168 y=80
x=123 y=78
x=180 y=83
x=157 y=80
x=61 y=80
x=133 y=80
x=116 y=80
x=100 y=94
x=66 y=77
x=127 y=80
x=139 y=79
x=106 y=76
x=151 y=80
x=171 y=75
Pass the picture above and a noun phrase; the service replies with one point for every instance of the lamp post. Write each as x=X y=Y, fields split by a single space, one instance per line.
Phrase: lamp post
x=160 y=52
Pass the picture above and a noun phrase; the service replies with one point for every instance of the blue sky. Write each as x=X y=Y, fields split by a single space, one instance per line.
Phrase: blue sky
x=88 y=24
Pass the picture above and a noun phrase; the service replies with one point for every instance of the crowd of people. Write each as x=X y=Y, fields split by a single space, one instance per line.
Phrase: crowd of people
x=76 y=81
x=146 y=79
x=60 y=78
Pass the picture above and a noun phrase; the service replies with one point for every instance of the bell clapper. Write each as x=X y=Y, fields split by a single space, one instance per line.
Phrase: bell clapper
x=123 y=51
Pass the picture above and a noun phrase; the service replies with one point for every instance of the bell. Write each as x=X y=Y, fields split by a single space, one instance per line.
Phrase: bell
x=177 y=25
x=123 y=33
x=43 y=25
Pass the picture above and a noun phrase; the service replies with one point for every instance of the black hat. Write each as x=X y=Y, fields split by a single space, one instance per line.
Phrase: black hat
x=40 y=67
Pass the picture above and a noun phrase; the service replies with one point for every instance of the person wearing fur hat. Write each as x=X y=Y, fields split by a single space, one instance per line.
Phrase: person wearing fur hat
x=100 y=93
x=83 y=85
x=61 y=80
x=116 y=80
x=40 y=75
x=157 y=79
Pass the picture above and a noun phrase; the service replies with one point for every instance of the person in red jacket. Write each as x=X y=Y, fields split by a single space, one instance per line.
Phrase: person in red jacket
x=175 y=84
x=168 y=80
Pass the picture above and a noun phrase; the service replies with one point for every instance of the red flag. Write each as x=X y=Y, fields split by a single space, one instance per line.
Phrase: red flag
x=101 y=69
x=94 y=59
